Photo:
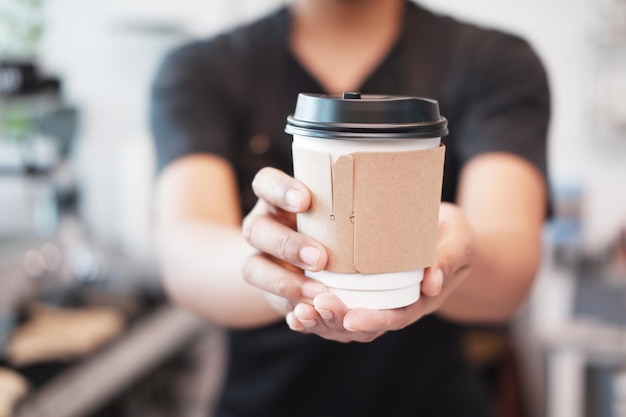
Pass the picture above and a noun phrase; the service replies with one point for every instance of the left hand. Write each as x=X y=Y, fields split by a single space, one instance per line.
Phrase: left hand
x=329 y=318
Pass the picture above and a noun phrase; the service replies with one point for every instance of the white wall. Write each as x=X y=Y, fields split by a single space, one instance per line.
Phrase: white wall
x=107 y=53
x=108 y=63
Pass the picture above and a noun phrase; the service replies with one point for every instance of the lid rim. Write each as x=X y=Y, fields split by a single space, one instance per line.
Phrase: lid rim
x=369 y=135
x=374 y=127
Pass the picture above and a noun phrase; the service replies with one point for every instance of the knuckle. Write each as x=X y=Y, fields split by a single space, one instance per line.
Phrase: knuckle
x=258 y=179
x=287 y=246
x=247 y=228
x=284 y=286
x=256 y=270
x=288 y=285
x=248 y=269
x=279 y=304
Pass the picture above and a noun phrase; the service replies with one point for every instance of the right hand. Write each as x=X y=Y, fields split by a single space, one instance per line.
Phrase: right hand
x=306 y=303
x=283 y=252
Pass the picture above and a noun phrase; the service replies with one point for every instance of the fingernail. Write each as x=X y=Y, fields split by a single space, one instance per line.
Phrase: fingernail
x=326 y=314
x=294 y=198
x=312 y=289
x=291 y=320
x=310 y=255
x=349 y=326
x=309 y=323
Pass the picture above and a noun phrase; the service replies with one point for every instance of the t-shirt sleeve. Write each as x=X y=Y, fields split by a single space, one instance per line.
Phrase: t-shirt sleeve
x=190 y=111
x=509 y=102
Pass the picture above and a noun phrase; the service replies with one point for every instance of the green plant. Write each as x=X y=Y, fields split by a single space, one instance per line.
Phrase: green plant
x=21 y=27
x=15 y=124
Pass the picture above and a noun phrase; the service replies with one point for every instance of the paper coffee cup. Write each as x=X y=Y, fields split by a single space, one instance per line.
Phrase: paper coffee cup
x=374 y=166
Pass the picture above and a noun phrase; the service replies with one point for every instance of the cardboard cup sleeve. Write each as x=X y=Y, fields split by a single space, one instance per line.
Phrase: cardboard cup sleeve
x=375 y=212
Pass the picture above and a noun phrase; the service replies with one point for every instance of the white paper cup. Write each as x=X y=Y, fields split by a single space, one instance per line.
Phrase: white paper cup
x=347 y=134
x=377 y=291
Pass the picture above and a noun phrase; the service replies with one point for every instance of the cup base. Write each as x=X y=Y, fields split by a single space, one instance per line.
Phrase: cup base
x=378 y=299
x=375 y=291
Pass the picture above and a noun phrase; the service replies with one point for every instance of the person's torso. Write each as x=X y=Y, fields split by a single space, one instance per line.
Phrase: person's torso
x=274 y=371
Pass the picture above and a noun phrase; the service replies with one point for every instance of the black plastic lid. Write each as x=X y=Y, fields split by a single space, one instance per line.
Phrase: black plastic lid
x=356 y=116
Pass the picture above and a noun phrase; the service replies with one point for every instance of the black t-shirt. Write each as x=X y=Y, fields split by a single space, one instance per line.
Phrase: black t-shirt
x=230 y=96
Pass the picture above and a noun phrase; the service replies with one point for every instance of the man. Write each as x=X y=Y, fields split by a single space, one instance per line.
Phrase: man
x=219 y=107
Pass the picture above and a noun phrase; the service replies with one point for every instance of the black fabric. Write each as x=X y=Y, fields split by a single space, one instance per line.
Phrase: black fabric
x=230 y=96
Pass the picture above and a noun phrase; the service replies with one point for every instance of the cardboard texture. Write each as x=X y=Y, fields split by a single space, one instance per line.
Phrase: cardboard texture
x=375 y=212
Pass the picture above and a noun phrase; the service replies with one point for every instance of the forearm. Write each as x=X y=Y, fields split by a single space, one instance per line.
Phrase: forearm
x=504 y=267
x=504 y=199
x=202 y=270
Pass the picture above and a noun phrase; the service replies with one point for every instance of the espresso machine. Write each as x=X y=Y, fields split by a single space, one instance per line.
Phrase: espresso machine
x=47 y=255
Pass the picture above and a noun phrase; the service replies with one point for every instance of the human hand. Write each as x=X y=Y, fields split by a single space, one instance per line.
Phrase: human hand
x=328 y=317
x=283 y=252
x=308 y=306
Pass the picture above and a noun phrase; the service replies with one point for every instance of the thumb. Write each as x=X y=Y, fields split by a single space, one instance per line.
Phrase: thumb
x=433 y=281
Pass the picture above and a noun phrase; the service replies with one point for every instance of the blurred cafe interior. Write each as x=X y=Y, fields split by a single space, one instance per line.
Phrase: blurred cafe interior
x=85 y=326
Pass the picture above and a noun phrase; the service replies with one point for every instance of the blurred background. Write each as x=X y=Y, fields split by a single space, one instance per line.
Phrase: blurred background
x=85 y=329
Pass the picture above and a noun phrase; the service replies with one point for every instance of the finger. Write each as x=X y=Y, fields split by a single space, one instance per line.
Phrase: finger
x=262 y=208
x=265 y=274
x=433 y=282
x=276 y=239
x=452 y=260
x=456 y=245
x=295 y=324
x=280 y=304
x=379 y=321
x=331 y=309
x=281 y=190
x=309 y=317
